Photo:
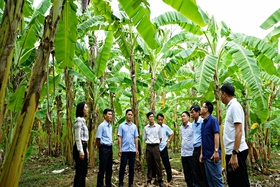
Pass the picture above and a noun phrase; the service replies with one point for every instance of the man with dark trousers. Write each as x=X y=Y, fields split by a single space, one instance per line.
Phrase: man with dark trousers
x=236 y=147
x=128 y=147
x=167 y=135
x=196 y=127
x=152 y=138
x=104 y=143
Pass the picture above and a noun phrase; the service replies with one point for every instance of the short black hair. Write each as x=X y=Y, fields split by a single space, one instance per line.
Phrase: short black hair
x=128 y=110
x=148 y=114
x=195 y=108
x=161 y=115
x=80 y=109
x=107 y=110
x=186 y=112
x=228 y=89
x=210 y=106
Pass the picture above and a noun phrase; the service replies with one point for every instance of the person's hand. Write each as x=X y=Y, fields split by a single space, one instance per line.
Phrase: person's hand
x=120 y=153
x=137 y=152
x=233 y=162
x=200 y=158
x=215 y=157
x=82 y=156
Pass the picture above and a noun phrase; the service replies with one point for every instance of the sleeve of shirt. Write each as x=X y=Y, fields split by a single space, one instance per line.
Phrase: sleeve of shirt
x=77 y=132
x=136 y=132
x=159 y=132
x=168 y=130
x=237 y=114
x=145 y=136
x=99 y=131
x=120 y=130
x=216 y=126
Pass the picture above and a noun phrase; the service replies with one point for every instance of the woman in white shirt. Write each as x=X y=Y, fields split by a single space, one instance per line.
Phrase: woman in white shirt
x=80 y=149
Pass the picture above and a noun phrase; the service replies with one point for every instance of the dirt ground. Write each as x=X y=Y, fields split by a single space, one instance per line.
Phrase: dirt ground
x=50 y=171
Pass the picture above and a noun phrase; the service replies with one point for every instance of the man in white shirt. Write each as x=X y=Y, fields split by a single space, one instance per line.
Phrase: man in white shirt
x=152 y=138
x=234 y=139
x=186 y=134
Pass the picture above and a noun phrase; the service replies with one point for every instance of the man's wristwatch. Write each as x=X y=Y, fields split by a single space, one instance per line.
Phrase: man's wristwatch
x=234 y=152
x=216 y=149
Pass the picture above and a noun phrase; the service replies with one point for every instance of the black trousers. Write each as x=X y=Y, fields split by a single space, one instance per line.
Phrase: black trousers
x=239 y=177
x=81 y=166
x=199 y=170
x=130 y=156
x=105 y=166
x=153 y=160
x=188 y=167
x=165 y=160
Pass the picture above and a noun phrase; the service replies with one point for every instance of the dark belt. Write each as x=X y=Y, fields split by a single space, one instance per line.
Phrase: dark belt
x=104 y=145
x=152 y=144
x=84 y=142
x=197 y=148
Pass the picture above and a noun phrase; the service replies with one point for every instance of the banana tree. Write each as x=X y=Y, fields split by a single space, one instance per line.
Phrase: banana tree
x=13 y=163
x=8 y=31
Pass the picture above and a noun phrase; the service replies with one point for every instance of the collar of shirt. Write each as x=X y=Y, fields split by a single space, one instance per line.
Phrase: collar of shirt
x=206 y=119
x=199 y=121
x=107 y=123
x=231 y=101
x=128 y=123
x=188 y=125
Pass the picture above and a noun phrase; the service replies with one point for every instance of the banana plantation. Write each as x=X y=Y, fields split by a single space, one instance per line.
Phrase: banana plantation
x=62 y=52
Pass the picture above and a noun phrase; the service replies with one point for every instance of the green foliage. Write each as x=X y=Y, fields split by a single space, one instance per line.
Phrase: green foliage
x=189 y=9
x=103 y=55
x=66 y=37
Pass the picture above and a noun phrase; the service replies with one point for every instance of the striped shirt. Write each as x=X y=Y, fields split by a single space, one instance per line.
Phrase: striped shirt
x=80 y=133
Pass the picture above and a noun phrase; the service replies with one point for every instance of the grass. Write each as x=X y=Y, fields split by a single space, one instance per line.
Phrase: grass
x=37 y=172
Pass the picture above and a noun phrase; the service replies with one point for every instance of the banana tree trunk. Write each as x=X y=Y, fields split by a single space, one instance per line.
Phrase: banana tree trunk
x=219 y=116
x=68 y=141
x=8 y=33
x=94 y=116
x=134 y=99
x=58 y=133
x=13 y=163
x=152 y=92
x=176 y=131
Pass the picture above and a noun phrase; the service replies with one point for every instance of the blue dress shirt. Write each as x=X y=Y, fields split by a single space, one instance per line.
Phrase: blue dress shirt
x=104 y=132
x=128 y=132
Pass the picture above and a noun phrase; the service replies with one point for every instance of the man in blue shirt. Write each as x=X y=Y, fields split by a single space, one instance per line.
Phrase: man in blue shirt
x=196 y=126
x=128 y=147
x=167 y=135
x=210 y=146
x=104 y=143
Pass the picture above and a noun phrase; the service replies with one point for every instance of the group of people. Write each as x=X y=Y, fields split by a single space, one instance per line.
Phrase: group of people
x=200 y=150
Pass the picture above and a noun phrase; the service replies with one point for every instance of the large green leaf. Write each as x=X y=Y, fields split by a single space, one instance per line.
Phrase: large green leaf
x=66 y=36
x=172 y=67
x=90 y=23
x=85 y=70
x=272 y=20
x=266 y=64
x=266 y=49
x=16 y=100
x=250 y=71
x=273 y=35
x=189 y=9
x=182 y=37
x=104 y=9
x=205 y=73
x=272 y=78
x=140 y=17
x=186 y=84
x=103 y=55
x=174 y=17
